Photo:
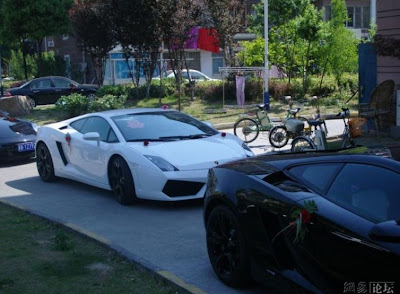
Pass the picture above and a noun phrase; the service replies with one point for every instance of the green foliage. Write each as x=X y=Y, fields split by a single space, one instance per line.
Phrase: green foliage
x=253 y=53
x=116 y=90
x=17 y=69
x=107 y=102
x=72 y=105
x=77 y=104
x=51 y=65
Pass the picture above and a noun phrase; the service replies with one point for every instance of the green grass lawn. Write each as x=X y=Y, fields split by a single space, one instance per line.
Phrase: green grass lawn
x=38 y=256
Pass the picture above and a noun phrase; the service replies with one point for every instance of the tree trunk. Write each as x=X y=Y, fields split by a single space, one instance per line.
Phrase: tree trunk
x=24 y=59
x=40 y=60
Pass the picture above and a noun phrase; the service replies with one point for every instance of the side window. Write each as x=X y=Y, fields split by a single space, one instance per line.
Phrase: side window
x=368 y=191
x=61 y=83
x=34 y=85
x=318 y=175
x=43 y=84
x=99 y=125
x=78 y=124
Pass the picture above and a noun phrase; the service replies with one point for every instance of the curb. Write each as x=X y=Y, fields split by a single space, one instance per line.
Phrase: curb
x=141 y=263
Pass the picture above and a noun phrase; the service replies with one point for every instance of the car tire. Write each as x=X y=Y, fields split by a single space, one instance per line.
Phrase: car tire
x=121 y=182
x=44 y=163
x=92 y=97
x=32 y=102
x=227 y=247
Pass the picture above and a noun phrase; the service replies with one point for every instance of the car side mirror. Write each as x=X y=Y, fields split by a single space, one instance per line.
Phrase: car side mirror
x=386 y=232
x=92 y=136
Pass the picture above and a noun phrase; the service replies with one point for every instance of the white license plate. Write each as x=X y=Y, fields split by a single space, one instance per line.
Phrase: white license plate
x=29 y=146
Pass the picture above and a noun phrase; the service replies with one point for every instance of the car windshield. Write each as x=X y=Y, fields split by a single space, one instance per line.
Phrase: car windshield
x=161 y=126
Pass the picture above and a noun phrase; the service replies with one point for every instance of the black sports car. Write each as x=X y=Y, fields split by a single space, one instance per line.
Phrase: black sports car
x=17 y=137
x=48 y=90
x=319 y=223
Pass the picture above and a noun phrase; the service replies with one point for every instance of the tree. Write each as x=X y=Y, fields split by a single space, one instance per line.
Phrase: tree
x=94 y=28
x=339 y=53
x=138 y=31
x=177 y=19
x=228 y=18
x=26 y=21
x=279 y=13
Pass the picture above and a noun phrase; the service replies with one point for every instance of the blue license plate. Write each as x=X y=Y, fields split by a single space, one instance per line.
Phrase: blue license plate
x=28 y=146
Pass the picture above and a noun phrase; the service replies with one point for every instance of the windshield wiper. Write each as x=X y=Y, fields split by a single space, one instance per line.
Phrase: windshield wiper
x=196 y=136
x=150 y=140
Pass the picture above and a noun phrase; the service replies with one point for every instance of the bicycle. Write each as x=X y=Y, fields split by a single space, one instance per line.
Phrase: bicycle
x=291 y=127
x=304 y=143
x=248 y=129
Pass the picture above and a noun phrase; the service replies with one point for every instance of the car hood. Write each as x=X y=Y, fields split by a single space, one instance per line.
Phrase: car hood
x=194 y=154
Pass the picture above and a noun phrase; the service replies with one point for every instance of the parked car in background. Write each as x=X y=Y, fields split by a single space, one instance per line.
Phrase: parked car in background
x=315 y=222
x=143 y=153
x=194 y=74
x=17 y=137
x=47 y=90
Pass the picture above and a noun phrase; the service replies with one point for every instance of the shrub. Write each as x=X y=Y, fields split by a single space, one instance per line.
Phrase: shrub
x=107 y=102
x=116 y=90
x=77 y=104
x=72 y=105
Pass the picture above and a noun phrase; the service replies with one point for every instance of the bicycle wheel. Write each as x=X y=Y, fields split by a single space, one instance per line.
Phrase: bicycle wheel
x=300 y=144
x=246 y=129
x=278 y=136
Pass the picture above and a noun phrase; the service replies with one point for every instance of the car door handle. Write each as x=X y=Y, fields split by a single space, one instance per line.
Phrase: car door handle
x=35 y=91
x=58 y=90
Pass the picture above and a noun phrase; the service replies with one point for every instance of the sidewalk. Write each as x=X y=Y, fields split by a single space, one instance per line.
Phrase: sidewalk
x=335 y=128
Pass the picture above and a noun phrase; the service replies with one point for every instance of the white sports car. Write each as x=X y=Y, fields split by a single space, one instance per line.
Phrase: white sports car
x=137 y=153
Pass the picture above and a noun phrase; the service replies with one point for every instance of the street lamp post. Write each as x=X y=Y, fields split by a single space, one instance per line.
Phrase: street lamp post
x=266 y=74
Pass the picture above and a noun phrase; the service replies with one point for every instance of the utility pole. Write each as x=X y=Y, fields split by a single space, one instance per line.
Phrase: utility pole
x=266 y=74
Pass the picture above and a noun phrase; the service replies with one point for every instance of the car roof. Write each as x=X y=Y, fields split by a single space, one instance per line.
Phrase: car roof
x=268 y=163
x=125 y=111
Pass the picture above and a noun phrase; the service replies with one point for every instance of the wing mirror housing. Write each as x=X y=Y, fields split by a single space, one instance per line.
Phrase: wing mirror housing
x=386 y=232
x=92 y=136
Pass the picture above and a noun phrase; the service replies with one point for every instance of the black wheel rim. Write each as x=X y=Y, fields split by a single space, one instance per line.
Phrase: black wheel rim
x=44 y=163
x=118 y=180
x=279 y=137
x=223 y=245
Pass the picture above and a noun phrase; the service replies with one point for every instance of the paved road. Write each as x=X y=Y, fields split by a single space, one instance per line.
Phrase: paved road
x=166 y=237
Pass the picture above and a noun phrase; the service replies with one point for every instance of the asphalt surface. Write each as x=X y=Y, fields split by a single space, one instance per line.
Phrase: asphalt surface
x=167 y=238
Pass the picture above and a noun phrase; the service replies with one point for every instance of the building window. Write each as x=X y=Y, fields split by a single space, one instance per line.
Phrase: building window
x=217 y=62
x=358 y=17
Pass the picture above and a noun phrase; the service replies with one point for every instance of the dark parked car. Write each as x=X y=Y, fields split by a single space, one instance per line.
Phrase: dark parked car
x=48 y=90
x=319 y=223
x=17 y=137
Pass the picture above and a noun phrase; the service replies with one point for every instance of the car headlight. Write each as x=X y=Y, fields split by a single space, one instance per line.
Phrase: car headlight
x=245 y=147
x=35 y=127
x=161 y=163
